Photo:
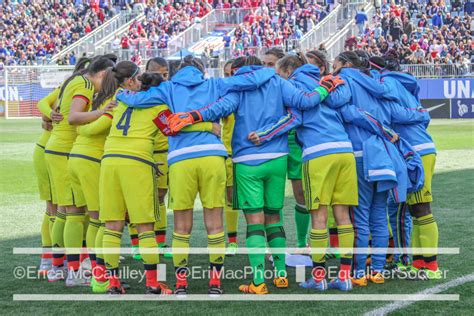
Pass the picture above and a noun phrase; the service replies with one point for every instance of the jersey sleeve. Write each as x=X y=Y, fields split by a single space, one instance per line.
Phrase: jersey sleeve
x=408 y=116
x=146 y=99
x=98 y=127
x=297 y=98
x=46 y=104
x=248 y=81
x=84 y=91
x=286 y=123
x=199 y=127
x=221 y=108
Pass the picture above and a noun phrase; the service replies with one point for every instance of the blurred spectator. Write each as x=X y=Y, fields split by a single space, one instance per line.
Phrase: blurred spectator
x=360 y=20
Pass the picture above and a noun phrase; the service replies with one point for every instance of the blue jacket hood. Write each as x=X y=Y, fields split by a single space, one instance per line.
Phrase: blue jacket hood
x=408 y=81
x=188 y=76
x=310 y=71
x=369 y=83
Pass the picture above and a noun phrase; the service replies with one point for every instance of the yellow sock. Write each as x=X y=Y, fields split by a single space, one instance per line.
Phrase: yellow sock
x=45 y=234
x=160 y=226
x=428 y=236
x=52 y=219
x=180 y=260
x=73 y=236
x=319 y=241
x=111 y=239
x=216 y=241
x=99 y=237
x=147 y=241
x=57 y=235
x=91 y=235
x=231 y=223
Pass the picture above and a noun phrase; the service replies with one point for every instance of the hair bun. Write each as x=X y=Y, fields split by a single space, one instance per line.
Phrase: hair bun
x=114 y=69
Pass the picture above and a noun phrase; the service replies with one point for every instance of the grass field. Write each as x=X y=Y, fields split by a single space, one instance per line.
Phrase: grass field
x=21 y=213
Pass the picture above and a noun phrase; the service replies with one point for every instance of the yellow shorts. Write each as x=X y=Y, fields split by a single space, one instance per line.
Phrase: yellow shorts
x=58 y=173
x=229 y=172
x=204 y=175
x=424 y=195
x=330 y=180
x=84 y=174
x=162 y=180
x=42 y=176
x=128 y=185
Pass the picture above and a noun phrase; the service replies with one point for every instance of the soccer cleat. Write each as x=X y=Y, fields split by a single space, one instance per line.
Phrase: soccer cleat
x=231 y=249
x=86 y=265
x=313 y=284
x=77 y=278
x=362 y=281
x=377 y=278
x=215 y=290
x=45 y=265
x=99 y=287
x=57 y=274
x=136 y=253
x=281 y=282
x=254 y=289
x=181 y=290
x=338 y=284
x=116 y=290
x=158 y=290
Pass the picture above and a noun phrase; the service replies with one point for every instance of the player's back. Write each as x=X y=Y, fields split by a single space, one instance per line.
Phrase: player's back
x=132 y=133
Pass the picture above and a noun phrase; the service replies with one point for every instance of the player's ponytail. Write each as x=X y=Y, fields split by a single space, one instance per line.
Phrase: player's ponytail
x=364 y=63
x=149 y=80
x=348 y=59
x=114 y=77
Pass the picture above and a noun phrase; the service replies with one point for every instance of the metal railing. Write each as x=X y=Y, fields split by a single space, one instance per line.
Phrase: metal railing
x=334 y=21
x=87 y=44
x=440 y=70
x=337 y=43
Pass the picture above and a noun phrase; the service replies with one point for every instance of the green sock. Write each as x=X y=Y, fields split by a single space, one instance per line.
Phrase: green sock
x=45 y=235
x=302 y=219
x=256 y=240
x=277 y=239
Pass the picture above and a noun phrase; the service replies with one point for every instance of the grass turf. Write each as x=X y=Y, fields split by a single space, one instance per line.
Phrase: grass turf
x=22 y=212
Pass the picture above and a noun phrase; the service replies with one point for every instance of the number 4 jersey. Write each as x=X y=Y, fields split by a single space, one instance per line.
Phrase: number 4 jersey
x=133 y=132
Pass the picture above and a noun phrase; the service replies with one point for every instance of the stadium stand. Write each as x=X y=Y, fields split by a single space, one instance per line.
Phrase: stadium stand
x=33 y=31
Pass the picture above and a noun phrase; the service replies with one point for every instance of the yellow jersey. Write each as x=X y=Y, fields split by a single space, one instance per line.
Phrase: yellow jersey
x=133 y=133
x=228 y=124
x=63 y=134
x=161 y=144
x=45 y=106
x=91 y=137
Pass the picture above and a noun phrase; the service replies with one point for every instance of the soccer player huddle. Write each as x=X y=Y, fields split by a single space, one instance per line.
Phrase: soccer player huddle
x=354 y=144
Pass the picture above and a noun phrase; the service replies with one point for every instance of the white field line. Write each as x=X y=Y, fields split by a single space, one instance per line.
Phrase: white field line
x=244 y=250
x=237 y=297
x=384 y=310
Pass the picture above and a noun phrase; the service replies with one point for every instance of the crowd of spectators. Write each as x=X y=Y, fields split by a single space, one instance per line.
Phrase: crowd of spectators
x=280 y=23
x=32 y=31
x=420 y=32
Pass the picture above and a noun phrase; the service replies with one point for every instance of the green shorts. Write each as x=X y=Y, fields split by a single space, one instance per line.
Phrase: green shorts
x=260 y=187
x=294 y=158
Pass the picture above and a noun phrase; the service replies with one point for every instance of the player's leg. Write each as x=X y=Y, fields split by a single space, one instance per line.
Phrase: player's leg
x=46 y=242
x=425 y=228
x=248 y=196
x=274 y=175
x=183 y=188
x=231 y=215
x=212 y=181
x=360 y=221
x=400 y=225
x=132 y=230
x=379 y=231
x=162 y=183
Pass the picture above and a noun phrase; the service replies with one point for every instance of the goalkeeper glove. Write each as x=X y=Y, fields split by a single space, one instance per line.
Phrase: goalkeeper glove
x=178 y=121
x=330 y=82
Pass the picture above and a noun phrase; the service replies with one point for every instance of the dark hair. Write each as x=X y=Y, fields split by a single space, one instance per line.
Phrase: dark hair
x=149 y=80
x=112 y=57
x=349 y=57
x=245 y=61
x=114 y=77
x=192 y=61
x=292 y=61
x=321 y=60
x=377 y=63
x=391 y=58
x=275 y=51
x=363 y=59
x=157 y=60
x=81 y=64
x=96 y=65
x=229 y=62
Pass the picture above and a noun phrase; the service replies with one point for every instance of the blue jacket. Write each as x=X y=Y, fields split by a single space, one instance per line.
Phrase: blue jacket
x=364 y=92
x=394 y=167
x=404 y=89
x=189 y=90
x=321 y=131
x=257 y=108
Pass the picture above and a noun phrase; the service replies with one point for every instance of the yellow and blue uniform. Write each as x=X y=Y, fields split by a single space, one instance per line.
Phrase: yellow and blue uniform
x=45 y=106
x=62 y=138
x=84 y=161
x=160 y=155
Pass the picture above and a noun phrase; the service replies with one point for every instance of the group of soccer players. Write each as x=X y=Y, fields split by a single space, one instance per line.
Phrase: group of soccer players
x=353 y=142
